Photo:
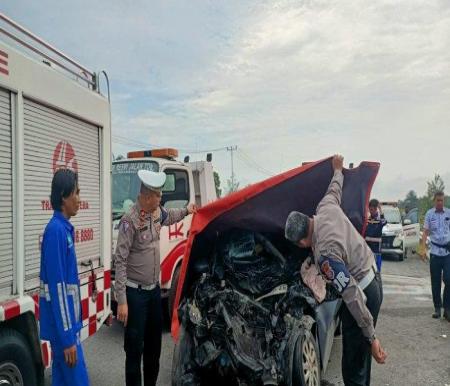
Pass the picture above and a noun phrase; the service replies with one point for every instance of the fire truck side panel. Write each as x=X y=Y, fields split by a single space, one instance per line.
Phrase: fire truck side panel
x=54 y=140
x=6 y=210
x=47 y=121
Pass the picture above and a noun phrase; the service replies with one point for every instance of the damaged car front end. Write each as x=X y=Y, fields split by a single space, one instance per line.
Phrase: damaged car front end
x=245 y=315
x=249 y=317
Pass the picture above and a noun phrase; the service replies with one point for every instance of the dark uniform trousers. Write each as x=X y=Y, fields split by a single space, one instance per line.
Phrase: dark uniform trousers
x=143 y=335
x=356 y=356
x=440 y=272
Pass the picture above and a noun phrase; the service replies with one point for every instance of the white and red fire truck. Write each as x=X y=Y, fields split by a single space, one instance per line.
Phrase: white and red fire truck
x=52 y=115
x=186 y=182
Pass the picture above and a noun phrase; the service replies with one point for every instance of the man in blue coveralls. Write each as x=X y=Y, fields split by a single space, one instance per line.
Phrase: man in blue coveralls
x=59 y=300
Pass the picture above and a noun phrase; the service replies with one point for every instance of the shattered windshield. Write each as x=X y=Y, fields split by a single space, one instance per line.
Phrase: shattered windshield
x=125 y=184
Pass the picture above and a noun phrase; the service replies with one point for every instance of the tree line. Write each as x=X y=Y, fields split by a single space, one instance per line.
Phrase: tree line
x=425 y=202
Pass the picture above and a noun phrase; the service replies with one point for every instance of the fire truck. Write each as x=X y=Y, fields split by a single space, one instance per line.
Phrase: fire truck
x=52 y=115
x=186 y=182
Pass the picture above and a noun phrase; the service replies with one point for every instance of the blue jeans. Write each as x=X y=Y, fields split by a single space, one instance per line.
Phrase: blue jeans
x=440 y=272
x=378 y=260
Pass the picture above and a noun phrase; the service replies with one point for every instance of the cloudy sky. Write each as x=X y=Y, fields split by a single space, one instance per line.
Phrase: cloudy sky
x=284 y=81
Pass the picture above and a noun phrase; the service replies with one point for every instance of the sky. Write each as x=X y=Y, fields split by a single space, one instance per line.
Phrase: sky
x=284 y=81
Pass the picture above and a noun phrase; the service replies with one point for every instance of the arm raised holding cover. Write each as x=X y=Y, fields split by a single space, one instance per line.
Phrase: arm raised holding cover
x=333 y=196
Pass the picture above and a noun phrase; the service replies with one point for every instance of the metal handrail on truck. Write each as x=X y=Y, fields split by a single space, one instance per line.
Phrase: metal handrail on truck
x=63 y=61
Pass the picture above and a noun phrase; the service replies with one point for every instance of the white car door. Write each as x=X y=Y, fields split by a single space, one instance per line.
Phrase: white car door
x=411 y=229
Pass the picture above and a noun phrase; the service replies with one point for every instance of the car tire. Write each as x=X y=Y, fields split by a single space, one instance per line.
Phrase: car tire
x=16 y=363
x=173 y=292
x=401 y=257
x=176 y=365
x=181 y=351
x=306 y=369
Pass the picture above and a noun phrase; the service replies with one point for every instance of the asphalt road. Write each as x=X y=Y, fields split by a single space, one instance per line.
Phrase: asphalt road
x=418 y=346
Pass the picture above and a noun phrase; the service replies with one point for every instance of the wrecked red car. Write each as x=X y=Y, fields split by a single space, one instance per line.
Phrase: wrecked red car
x=243 y=314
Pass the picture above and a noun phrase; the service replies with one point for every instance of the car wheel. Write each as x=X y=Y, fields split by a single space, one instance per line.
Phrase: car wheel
x=401 y=256
x=176 y=365
x=182 y=352
x=173 y=291
x=16 y=363
x=306 y=366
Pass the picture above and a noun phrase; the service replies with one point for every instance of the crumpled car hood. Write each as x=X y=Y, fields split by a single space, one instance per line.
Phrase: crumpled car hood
x=264 y=207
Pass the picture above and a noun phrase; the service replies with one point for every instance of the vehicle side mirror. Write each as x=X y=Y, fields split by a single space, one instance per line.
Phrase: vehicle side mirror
x=407 y=221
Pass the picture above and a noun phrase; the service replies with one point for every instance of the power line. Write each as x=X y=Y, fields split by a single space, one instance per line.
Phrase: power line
x=242 y=155
x=253 y=164
x=126 y=141
x=253 y=167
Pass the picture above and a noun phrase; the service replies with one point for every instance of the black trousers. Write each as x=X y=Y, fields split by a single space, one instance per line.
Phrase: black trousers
x=356 y=355
x=440 y=271
x=143 y=336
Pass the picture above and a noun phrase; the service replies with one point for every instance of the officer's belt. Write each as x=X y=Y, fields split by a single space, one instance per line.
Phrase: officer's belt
x=445 y=246
x=373 y=239
x=366 y=280
x=142 y=287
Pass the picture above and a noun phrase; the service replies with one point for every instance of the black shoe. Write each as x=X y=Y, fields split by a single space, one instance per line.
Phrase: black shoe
x=447 y=315
x=437 y=313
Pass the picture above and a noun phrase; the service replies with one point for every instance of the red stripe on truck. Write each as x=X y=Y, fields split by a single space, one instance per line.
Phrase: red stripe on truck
x=100 y=302
x=45 y=354
x=107 y=280
x=11 y=309
x=36 y=306
x=167 y=265
x=85 y=308
x=92 y=325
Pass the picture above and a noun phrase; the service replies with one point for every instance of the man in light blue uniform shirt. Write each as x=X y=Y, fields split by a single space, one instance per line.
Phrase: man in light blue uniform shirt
x=437 y=226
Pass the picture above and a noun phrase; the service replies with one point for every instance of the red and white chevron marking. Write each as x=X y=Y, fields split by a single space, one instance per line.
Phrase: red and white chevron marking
x=93 y=307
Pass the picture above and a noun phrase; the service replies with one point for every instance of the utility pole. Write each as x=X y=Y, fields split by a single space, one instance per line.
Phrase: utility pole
x=231 y=149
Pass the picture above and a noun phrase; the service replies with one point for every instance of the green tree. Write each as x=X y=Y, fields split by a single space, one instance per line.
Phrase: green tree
x=118 y=158
x=217 y=184
x=424 y=204
x=232 y=187
x=435 y=185
x=411 y=200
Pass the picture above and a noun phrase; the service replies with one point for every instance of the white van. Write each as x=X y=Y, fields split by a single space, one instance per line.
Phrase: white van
x=399 y=236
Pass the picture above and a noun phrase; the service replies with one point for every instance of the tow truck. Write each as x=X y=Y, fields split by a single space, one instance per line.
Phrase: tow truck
x=186 y=182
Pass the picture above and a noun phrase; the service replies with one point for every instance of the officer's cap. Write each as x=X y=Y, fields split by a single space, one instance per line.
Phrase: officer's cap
x=296 y=227
x=152 y=180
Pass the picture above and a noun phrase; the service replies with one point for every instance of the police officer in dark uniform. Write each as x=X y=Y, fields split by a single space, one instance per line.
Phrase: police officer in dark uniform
x=137 y=261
